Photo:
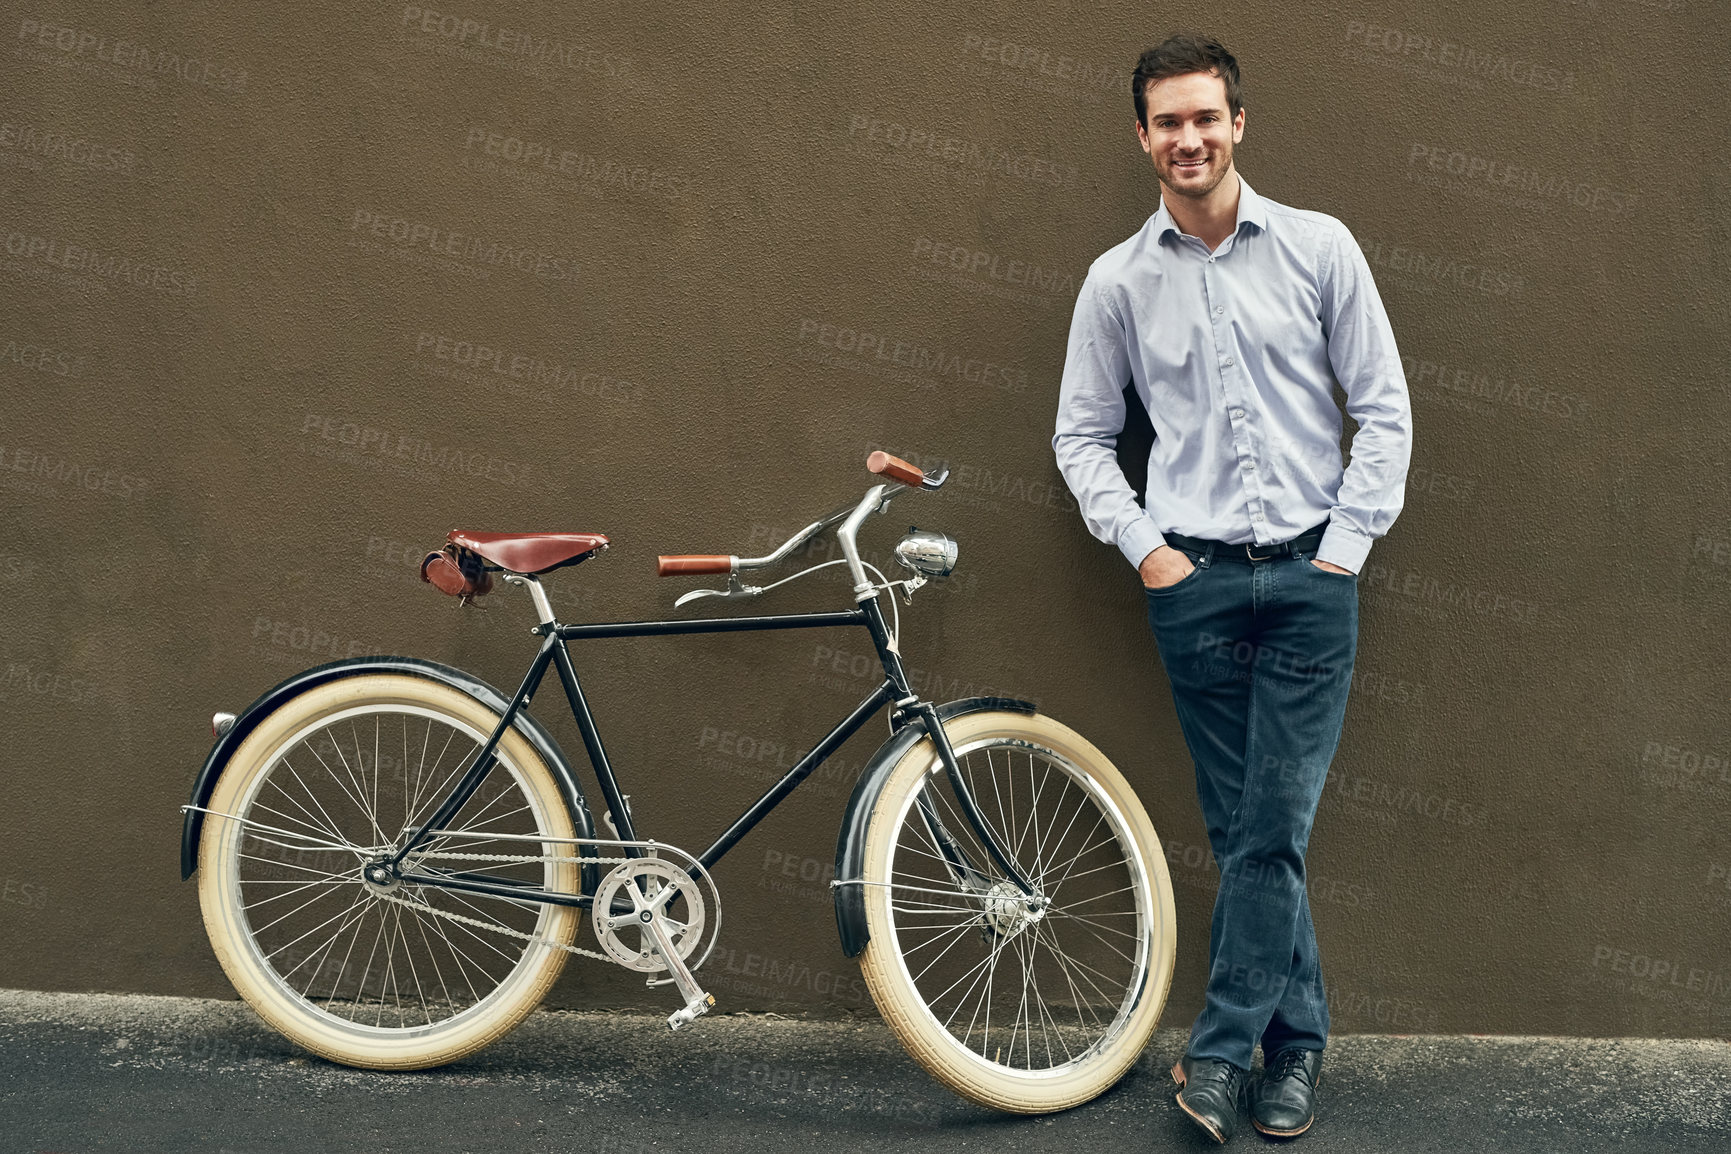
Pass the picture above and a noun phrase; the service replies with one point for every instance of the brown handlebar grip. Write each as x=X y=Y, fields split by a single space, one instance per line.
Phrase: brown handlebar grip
x=673 y=566
x=895 y=468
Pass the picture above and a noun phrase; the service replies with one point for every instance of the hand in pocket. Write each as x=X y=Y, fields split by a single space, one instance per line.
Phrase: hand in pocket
x=1164 y=567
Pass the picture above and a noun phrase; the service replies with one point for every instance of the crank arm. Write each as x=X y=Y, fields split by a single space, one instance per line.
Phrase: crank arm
x=697 y=1002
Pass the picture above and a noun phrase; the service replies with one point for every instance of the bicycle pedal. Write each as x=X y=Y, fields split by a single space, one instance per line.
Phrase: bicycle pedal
x=693 y=1010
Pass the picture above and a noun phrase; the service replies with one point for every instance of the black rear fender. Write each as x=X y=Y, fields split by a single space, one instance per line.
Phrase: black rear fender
x=532 y=730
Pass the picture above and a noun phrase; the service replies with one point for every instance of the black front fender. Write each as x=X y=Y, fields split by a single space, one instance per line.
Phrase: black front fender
x=532 y=730
x=850 y=919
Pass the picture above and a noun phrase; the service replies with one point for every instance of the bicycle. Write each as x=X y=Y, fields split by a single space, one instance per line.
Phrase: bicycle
x=394 y=857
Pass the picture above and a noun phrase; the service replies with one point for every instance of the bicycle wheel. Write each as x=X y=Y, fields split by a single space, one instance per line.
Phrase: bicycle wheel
x=403 y=977
x=1025 y=1004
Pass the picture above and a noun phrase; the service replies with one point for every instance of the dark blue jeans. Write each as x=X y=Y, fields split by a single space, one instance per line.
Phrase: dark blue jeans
x=1260 y=660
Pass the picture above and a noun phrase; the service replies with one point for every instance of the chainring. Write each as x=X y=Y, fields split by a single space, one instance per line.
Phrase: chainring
x=645 y=883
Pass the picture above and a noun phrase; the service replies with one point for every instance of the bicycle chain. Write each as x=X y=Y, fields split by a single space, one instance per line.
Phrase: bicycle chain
x=498 y=929
x=521 y=858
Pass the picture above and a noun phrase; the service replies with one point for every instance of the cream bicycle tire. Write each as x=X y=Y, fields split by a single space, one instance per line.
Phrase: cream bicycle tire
x=236 y=942
x=911 y=1010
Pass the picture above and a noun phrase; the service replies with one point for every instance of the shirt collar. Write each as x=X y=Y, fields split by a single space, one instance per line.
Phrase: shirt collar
x=1250 y=208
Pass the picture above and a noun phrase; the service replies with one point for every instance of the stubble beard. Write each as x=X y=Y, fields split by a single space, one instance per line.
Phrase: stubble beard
x=1220 y=165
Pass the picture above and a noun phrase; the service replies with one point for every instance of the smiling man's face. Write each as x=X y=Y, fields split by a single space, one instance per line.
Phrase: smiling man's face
x=1188 y=135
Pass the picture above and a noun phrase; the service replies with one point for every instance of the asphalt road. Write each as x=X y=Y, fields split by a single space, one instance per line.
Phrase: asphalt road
x=138 y=1074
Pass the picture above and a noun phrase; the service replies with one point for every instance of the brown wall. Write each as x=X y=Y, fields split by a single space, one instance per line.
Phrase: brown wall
x=208 y=345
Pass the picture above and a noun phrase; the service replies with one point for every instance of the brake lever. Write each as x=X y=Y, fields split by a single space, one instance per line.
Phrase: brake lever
x=734 y=592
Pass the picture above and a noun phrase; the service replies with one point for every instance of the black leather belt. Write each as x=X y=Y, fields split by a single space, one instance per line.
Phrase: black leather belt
x=1248 y=552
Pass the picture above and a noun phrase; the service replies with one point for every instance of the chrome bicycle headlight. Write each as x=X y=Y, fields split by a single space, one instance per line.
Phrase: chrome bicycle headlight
x=927 y=552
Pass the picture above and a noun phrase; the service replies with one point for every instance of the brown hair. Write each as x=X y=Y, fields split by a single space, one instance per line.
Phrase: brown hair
x=1180 y=55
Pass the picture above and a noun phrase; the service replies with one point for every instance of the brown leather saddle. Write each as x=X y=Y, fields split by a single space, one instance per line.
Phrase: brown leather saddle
x=465 y=566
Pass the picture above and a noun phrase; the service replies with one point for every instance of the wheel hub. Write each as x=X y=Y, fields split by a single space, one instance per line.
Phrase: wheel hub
x=380 y=877
x=1007 y=910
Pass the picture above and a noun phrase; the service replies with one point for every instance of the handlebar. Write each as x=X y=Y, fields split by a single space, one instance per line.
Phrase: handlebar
x=672 y=565
x=850 y=516
x=896 y=469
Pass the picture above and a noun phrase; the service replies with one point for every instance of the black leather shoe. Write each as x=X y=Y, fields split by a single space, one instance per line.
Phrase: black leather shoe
x=1210 y=1092
x=1283 y=1105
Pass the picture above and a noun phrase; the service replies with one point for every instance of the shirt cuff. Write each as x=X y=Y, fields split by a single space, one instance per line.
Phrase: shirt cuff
x=1139 y=540
x=1344 y=547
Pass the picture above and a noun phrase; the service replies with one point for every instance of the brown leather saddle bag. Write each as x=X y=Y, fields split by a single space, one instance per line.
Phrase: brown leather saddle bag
x=458 y=571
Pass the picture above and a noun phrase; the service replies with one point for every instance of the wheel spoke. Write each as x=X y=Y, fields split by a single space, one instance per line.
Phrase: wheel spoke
x=1044 y=933
x=1097 y=869
x=958 y=930
x=358 y=907
x=364 y=902
x=1052 y=889
x=1087 y=972
x=326 y=835
x=1081 y=806
x=1109 y=945
x=437 y=792
x=297 y=883
x=287 y=865
x=356 y=793
x=331 y=823
x=1095 y=898
x=420 y=923
x=955 y=936
x=458 y=954
x=324 y=936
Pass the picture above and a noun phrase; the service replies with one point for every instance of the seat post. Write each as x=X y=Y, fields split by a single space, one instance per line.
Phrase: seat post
x=537 y=593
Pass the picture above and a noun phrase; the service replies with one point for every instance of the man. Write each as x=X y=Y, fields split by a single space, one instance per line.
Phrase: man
x=1233 y=318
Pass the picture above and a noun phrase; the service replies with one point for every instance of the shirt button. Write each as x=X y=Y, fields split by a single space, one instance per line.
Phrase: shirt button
x=1229 y=362
x=1256 y=516
x=1218 y=310
x=1237 y=412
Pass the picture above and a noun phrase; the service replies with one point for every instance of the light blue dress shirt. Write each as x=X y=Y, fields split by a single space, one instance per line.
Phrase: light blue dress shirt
x=1235 y=354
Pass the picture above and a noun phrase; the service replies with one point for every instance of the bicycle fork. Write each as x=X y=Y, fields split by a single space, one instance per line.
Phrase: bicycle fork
x=968 y=875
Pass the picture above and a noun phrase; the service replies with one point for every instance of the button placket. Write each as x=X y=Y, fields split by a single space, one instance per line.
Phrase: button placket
x=1236 y=413
x=1212 y=294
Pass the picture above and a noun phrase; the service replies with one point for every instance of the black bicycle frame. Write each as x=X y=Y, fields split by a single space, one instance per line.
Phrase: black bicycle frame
x=893 y=690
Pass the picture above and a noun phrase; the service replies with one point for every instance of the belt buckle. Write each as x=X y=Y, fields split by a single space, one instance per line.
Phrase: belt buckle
x=1249 y=545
